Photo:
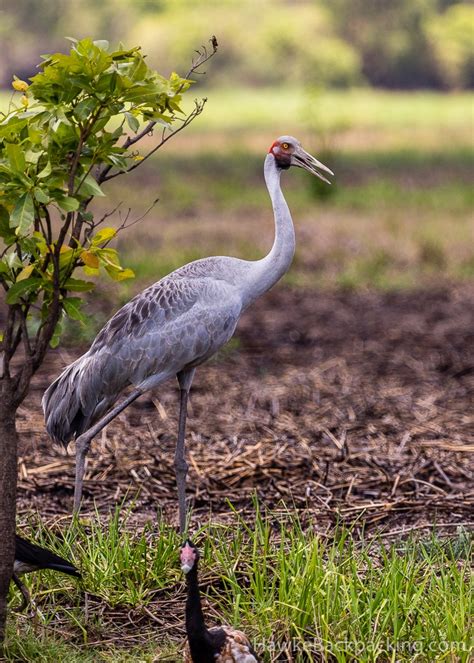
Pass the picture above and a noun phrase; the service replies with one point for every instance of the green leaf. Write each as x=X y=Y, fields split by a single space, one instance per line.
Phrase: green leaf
x=16 y=157
x=45 y=172
x=142 y=94
x=12 y=260
x=91 y=271
x=132 y=122
x=72 y=306
x=40 y=242
x=78 y=285
x=109 y=256
x=104 y=235
x=67 y=203
x=23 y=215
x=103 y=44
x=22 y=289
x=138 y=70
x=121 y=274
x=85 y=108
x=55 y=338
x=54 y=342
x=11 y=128
x=5 y=230
x=89 y=187
x=25 y=273
x=27 y=245
x=110 y=260
x=41 y=196
x=66 y=256
x=32 y=157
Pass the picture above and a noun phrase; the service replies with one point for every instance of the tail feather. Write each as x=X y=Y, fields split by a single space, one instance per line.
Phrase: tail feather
x=69 y=402
x=31 y=555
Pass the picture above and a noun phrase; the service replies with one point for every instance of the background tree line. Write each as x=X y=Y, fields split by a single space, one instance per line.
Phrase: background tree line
x=402 y=44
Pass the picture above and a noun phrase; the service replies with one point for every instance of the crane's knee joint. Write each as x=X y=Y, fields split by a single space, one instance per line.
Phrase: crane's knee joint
x=83 y=445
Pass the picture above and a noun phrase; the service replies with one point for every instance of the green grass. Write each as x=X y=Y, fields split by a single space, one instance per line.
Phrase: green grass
x=397 y=218
x=236 y=109
x=273 y=110
x=285 y=585
x=399 y=213
x=366 y=181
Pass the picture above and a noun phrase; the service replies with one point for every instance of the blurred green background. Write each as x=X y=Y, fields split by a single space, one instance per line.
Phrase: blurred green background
x=378 y=90
x=390 y=43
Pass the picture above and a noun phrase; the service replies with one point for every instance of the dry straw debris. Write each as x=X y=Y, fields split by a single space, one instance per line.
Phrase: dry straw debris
x=356 y=407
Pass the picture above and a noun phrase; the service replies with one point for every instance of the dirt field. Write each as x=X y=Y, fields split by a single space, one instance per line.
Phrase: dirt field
x=358 y=407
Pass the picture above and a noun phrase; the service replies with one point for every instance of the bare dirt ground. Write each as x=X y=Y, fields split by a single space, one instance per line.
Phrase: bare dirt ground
x=355 y=406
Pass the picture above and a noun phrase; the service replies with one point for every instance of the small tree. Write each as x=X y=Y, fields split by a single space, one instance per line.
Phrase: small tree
x=72 y=131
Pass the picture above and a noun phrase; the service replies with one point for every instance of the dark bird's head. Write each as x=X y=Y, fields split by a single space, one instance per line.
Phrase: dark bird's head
x=287 y=151
x=189 y=556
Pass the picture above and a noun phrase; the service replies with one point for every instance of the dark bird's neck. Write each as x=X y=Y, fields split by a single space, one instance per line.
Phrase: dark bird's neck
x=201 y=642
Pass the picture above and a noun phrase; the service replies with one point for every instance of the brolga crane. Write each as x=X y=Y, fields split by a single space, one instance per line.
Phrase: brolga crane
x=171 y=328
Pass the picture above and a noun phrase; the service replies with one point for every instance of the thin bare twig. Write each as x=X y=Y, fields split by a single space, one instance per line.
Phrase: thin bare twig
x=199 y=107
x=91 y=226
x=204 y=55
x=106 y=215
x=124 y=223
x=88 y=171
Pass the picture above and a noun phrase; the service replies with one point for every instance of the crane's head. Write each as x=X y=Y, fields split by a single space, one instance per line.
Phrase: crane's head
x=189 y=556
x=287 y=152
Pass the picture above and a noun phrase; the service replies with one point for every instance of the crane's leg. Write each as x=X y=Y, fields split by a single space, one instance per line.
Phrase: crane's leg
x=83 y=444
x=185 y=379
x=24 y=592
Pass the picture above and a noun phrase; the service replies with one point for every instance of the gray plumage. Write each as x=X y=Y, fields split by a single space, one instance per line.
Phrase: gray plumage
x=175 y=324
x=170 y=328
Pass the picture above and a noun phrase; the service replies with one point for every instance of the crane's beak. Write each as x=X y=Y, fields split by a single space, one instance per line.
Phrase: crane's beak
x=302 y=159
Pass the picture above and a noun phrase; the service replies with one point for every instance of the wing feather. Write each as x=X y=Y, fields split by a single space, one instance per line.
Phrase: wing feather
x=176 y=323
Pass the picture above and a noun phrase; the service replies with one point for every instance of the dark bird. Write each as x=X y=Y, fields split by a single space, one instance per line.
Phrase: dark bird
x=171 y=328
x=31 y=557
x=220 y=644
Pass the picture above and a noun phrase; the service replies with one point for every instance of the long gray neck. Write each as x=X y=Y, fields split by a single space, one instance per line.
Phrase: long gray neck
x=266 y=272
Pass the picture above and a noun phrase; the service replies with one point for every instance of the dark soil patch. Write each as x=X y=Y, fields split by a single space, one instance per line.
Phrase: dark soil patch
x=350 y=406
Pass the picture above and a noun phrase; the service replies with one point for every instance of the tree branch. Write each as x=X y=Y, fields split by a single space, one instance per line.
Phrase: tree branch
x=75 y=163
x=199 y=107
x=124 y=225
x=46 y=330
x=8 y=343
x=203 y=56
x=24 y=330
x=73 y=223
x=15 y=341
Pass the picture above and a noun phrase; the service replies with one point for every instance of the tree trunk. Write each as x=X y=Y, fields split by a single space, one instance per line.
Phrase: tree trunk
x=8 y=477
